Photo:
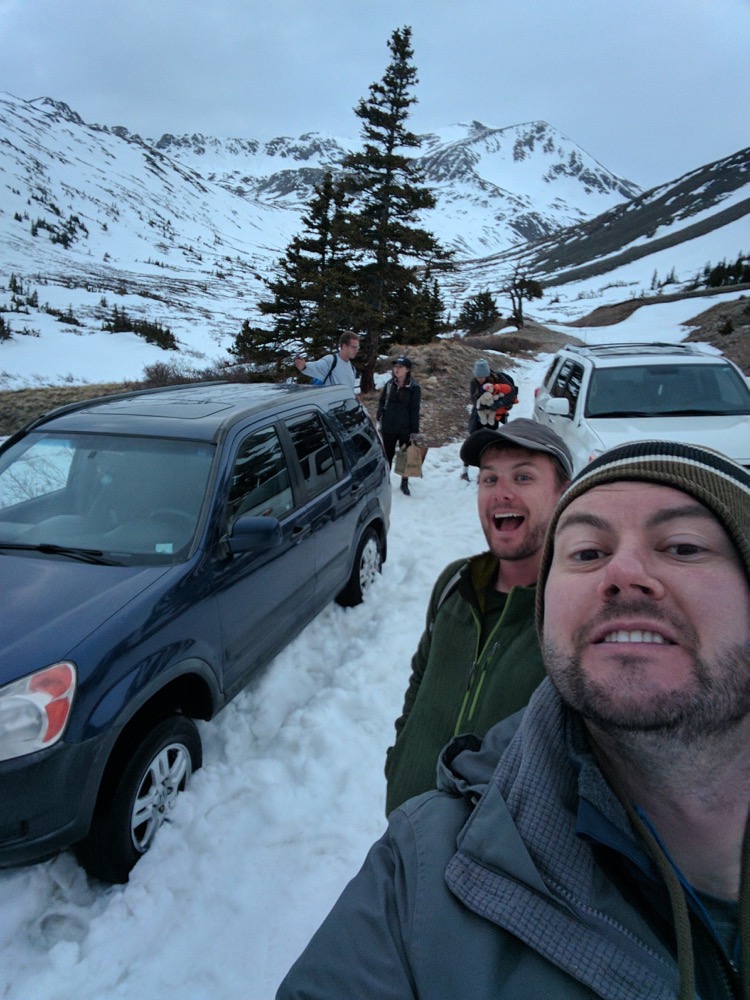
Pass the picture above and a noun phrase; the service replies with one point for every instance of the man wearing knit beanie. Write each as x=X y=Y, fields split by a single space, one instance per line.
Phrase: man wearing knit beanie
x=597 y=844
x=644 y=615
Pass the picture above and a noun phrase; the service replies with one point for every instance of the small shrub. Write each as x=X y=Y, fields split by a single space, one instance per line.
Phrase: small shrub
x=153 y=333
x=66 y=317
x=166 y=373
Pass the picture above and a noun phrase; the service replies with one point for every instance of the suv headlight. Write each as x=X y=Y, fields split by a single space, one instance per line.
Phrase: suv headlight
x=35 y=709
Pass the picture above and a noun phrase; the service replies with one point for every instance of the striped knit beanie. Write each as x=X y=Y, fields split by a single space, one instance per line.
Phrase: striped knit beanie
x=714 y=480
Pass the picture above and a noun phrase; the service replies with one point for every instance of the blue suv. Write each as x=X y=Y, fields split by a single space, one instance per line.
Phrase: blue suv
x=156 y=549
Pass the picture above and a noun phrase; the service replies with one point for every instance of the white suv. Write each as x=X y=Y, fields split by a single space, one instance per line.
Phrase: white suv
x=599 y=397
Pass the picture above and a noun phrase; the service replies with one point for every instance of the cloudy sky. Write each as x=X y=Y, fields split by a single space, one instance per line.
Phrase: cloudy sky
x=650 y=88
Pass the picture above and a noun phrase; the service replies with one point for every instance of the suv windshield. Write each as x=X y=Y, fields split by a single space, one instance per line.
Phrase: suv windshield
x=133 y=499
x=667 y=389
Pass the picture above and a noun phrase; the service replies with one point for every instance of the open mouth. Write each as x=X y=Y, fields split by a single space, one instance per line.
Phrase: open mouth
x=507 y=522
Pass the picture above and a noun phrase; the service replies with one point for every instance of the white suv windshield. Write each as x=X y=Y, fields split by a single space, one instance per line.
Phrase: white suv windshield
x=659 y=389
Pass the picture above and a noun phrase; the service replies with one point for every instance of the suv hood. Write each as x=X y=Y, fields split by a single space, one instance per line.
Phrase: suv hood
x=50 y=605
x=727 y=434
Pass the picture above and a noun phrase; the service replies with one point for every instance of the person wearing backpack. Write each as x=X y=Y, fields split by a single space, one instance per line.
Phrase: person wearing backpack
x=500 y=404
x=398 y=412
x=333 y=369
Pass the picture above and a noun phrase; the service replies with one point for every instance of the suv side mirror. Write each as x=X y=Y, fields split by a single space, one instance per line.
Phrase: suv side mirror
x=254 y=534
x=555 y=406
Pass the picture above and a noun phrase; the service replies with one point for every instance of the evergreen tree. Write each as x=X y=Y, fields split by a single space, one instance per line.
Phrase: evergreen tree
x=478 y=312
x=258 y=347
x=429 y=321
x=312 y=299
x=388 y=193
x=313 y=290
x=521 y=286
x=421 y=316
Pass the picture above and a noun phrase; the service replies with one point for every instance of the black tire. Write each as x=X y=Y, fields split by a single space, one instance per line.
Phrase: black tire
x=368 y=562
x=137 y=799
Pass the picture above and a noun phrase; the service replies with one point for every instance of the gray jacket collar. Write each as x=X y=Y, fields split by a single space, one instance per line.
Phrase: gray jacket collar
x=521 y=864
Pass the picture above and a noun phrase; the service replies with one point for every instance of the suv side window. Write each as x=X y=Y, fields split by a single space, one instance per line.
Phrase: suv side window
x=567 y=385
x=260 y=483
x=573 y=388
x=359 y=432
x=550 y=370
x=314 y=446
x=557 y=388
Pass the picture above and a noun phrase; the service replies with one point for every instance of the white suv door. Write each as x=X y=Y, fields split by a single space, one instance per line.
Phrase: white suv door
x=559 y=404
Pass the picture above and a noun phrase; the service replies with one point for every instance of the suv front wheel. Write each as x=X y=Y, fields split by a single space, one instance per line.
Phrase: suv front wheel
x=368 y=562
x=139 y=798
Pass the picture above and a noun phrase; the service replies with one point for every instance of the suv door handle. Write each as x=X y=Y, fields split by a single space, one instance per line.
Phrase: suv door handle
x=300 y=532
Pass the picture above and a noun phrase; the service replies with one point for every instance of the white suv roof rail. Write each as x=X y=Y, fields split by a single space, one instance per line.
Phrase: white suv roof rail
x=604 y=350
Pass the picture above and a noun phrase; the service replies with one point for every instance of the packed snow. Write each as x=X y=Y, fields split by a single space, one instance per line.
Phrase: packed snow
x=291 y=794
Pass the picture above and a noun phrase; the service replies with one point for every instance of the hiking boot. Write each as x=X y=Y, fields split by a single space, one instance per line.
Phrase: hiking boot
x=405 y=487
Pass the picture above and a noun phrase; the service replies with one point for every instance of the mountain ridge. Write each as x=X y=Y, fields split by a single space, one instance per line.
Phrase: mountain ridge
x=183 y=230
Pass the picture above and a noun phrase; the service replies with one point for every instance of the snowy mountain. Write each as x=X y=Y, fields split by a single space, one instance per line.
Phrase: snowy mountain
x=493 y=186
x=180 y=231
x=713 y=199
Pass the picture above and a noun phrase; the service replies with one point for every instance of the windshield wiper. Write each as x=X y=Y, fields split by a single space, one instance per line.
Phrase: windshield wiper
x=695 y=412
x=611 y=414
x=48 y=548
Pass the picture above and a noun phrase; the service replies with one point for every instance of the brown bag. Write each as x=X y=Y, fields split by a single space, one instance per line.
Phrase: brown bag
x=408 y=461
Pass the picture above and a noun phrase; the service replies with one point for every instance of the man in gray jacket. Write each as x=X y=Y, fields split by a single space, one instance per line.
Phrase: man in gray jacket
x=595 y=845
x=333 y=369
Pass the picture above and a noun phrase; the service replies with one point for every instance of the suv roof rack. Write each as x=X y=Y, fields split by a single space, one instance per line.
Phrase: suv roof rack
x=605 y=350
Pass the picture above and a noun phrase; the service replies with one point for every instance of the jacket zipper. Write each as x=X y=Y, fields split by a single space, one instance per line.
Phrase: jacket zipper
x=480 y=658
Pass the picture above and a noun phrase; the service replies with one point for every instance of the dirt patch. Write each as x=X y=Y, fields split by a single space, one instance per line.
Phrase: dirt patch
x=726 y=326
x=18 y=406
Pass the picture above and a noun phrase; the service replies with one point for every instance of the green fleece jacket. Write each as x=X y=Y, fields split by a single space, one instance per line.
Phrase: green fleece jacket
x=456 y=687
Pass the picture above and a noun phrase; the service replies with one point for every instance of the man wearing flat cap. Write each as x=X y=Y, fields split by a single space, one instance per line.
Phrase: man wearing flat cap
x=478 y=660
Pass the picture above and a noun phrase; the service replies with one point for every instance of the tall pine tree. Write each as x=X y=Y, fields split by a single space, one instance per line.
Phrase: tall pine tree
x=359 y=263
x=387 y=192
x=311 y=301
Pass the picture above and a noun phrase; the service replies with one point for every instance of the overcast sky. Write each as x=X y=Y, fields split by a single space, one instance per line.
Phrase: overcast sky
x=649 y=88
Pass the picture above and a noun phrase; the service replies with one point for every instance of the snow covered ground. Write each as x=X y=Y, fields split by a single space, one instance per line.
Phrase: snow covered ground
x=290 y=796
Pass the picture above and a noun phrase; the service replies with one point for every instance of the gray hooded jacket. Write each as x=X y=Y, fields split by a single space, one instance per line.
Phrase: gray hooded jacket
x=503 y=885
